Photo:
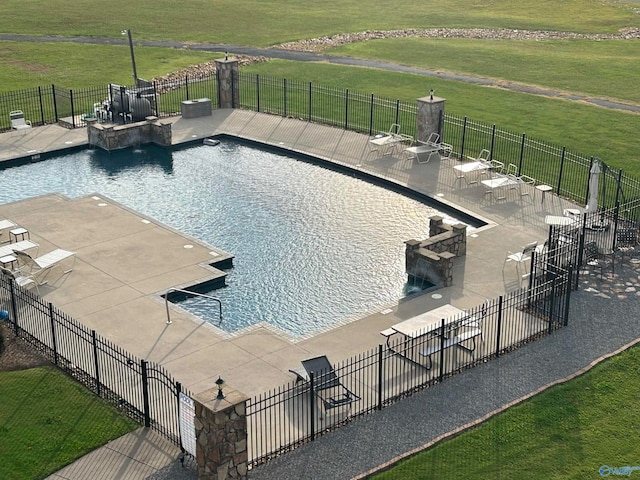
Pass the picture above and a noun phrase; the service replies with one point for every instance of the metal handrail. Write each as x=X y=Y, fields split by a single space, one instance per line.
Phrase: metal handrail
x=166 y=301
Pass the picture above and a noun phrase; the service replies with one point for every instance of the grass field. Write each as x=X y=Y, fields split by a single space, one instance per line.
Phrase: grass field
x=48 y=420
x=251 y=22
x=566 y=432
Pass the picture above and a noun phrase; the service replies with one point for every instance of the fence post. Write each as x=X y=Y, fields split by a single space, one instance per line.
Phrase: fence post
x=619 y=187
x=155 y=98
x=73 y=111
x=284 y=95
x=499 y=326
x=186 y=86
x=552 y=306
x=562 y=158
x=441 y=374
x=346 y=109
x=233 y=89
x=380 y=376
x=493 y=141
x=94 y=342
x=312 y=402
x=55 y=101
x=521 y=154
x=145 y=393
x=309 y=119
x=532 y=270
x=257 y=92
x=178 y=386
x=41 y=106
x=371 y=117
x=397 y=112
x=53 y=334
x=567 y=300
x=218 y=88
x=14 y=307
x=464 y=133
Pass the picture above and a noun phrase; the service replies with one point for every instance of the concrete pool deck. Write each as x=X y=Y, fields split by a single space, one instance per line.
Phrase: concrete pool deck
x=120 y=272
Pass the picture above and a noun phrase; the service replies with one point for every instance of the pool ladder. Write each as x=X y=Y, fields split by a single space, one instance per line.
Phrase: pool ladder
x=166 y=301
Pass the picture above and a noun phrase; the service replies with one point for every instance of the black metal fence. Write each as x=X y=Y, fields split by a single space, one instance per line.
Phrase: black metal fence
x=145 y=391
x=294 y=414
x=284 y=418
x=564 y=170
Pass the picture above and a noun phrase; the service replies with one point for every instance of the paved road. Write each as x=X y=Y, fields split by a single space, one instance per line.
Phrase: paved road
x=337 y=60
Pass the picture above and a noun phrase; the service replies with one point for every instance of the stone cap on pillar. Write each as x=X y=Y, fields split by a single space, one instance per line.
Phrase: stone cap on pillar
x=209 y=398
x=227 y=60
x=429 y=99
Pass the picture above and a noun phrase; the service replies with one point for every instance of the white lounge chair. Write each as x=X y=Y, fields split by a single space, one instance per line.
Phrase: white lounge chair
x=5 y=225
x=21 y=246
x=24 y=281
x=483 y=156
x=18 y=122
x=41 y=266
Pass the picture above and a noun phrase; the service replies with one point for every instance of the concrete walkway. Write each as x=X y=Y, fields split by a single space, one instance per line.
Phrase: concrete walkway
x=103 y=293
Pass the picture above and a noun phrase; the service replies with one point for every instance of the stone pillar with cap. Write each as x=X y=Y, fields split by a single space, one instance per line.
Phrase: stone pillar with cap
x=228 y=89
x=221 y=434
x=430 y=117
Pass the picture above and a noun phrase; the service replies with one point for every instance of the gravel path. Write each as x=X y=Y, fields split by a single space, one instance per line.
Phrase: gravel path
x=307 y=51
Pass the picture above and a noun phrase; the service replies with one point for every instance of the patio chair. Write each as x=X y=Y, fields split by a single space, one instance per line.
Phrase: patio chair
x=483 y=156
x=626 y=241
x=446 y=150
x=434 y=139
x=496 y=166
x=594 y=259
x=326 y=384
x=39 y=267
x=512 y=170
x=18 y=122
x=520 y=258
x=24 y=281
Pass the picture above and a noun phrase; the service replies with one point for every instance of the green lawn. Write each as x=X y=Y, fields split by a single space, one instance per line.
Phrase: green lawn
x=30 y=65
x=253 y=22
x=566 y=65
x=566 y=432
x=48 y=420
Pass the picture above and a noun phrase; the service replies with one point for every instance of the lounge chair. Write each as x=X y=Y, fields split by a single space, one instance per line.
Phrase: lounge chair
x=20 y=246
x=24 y=281
x=326 y=383
x=40 y=266
x=5 y=225
x=483 y=156
x=18 y=122
x=386 y=143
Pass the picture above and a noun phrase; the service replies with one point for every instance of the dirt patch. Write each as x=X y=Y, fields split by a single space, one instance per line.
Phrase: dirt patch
x=17 y=355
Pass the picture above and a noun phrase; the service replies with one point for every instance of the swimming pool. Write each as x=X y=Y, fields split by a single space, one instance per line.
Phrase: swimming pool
x=313 y=247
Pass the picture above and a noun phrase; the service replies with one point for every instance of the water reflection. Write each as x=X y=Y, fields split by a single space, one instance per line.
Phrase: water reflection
x=116 y=162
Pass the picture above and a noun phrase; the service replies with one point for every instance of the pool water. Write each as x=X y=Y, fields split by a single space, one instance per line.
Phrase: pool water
x=313 y=247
